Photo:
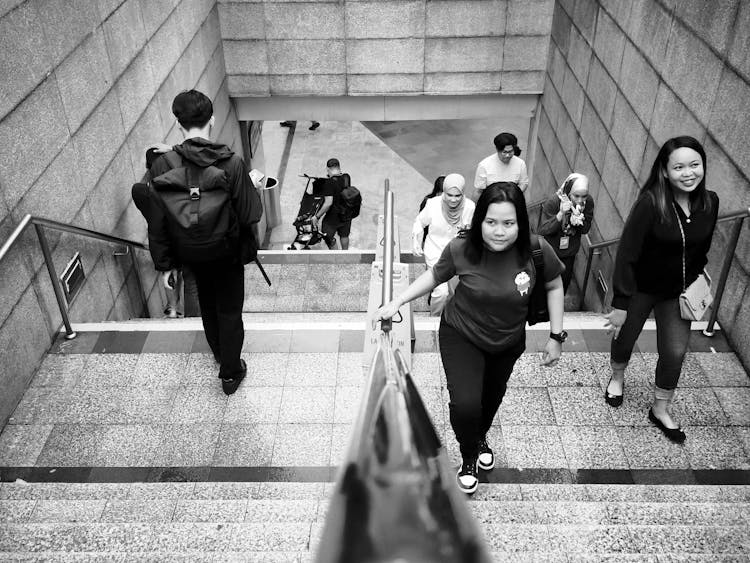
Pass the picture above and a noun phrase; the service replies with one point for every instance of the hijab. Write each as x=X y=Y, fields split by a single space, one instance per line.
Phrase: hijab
x=453 y=215
x=569 y=182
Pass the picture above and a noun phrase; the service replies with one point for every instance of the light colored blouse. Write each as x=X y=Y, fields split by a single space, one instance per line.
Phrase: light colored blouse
x=440 y=233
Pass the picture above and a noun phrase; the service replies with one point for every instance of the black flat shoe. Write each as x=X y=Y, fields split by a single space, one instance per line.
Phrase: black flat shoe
x=676 y=435
x=613 y=400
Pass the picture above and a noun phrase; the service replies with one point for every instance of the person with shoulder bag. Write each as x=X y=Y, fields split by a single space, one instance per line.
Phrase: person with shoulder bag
x=483 y=327
x=663 y=250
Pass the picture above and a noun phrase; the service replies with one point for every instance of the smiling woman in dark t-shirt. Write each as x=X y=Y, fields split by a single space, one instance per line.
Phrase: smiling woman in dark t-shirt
x=482 y=329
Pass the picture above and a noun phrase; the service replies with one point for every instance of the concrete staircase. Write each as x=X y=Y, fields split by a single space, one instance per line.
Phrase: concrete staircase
x=240 y=521
x=124 y=448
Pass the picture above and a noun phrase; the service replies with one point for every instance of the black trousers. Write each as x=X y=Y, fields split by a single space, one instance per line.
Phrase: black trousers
x=221 y=294
x=672 y=336
x=567 y=275
x=477 y=381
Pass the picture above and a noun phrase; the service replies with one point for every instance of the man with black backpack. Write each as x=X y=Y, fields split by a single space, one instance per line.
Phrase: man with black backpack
x=204 y=215
x=341 y=205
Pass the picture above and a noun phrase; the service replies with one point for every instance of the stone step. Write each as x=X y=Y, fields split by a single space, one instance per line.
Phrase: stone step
x=283 y=521
x=311 y=287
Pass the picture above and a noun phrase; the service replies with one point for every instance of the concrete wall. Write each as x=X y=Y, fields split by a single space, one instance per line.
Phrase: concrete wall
x=86 y=87
x=381 y=47
x=622 y=78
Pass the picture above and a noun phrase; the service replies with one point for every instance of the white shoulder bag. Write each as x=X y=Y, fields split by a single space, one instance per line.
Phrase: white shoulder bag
x=696 y=298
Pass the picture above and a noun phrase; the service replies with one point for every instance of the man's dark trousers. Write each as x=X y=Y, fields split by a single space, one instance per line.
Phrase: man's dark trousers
x=221 y=293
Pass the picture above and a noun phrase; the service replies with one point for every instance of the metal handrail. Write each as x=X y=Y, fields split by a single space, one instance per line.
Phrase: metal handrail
x=40 y=223
x=594 y=249
x=387 y=289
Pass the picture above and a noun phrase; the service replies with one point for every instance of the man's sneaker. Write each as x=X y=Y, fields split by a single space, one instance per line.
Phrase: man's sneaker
x=229 y=386
x=314 y=125
x=467 y=476
x=486 y=459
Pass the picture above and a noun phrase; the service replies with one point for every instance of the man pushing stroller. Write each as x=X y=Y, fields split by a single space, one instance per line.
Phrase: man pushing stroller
x=341 y=204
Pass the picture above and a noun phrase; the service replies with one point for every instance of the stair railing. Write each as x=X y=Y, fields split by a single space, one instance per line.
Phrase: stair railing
x=40 y=224
x=737 y=218
x=395 y=497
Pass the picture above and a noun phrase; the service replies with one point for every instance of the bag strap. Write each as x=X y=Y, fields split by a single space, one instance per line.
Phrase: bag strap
x=682 y=234
x=538 y=256
x=194 y=191
x=173 y=159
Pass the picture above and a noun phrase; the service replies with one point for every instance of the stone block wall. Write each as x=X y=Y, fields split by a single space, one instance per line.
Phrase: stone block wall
x=86 y=87
x=385 y=47
x=622 y=78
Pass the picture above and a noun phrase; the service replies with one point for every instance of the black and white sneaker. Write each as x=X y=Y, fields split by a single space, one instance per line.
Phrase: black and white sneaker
x=229 y=386
x=486 y=458
x=466 y=477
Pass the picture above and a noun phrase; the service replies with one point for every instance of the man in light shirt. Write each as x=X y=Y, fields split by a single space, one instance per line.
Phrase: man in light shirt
x=503 y=166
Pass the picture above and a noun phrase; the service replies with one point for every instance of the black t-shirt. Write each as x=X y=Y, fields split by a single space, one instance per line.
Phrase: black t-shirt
x=491 y=300
x=335 y=184
x=322 y=187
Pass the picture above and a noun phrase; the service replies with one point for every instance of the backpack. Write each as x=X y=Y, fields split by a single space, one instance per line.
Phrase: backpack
x=201 y=219
x=348 y=201
x=537 y=312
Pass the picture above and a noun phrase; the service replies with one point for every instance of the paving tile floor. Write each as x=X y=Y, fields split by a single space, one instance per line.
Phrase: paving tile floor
x=116 y=405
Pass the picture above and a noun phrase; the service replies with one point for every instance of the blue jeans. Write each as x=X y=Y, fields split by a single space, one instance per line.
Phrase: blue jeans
x=672 y=336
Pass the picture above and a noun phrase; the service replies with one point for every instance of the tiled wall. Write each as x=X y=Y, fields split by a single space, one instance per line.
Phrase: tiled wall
x=381 y=47
x=85 y=87
x=622 y=78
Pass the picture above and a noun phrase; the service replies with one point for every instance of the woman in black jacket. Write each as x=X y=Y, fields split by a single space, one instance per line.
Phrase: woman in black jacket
x=674 y=203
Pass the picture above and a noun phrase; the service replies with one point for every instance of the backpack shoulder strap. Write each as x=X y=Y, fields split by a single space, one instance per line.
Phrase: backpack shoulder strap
x=173 y=159
x=537 y=255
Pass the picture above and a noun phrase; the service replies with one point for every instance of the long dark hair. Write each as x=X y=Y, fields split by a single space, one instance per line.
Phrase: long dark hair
x=657 y=185
x=499 y=192
x=437 y=189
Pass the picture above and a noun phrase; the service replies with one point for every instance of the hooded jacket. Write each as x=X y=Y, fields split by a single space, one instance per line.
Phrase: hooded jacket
x=203 y=153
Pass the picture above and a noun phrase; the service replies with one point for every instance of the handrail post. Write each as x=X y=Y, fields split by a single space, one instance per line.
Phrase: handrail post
x=141 y=291
x=734 y=238
x=387 y=288
x=589 y=259
x=69 y=332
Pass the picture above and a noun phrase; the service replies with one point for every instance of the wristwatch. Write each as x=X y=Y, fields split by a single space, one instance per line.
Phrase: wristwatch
x=559 y=336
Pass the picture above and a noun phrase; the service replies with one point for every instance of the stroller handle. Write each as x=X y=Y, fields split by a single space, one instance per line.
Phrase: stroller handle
x=303 y=175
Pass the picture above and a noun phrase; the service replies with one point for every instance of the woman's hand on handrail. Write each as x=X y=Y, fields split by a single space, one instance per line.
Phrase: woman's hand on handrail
x=386 y=312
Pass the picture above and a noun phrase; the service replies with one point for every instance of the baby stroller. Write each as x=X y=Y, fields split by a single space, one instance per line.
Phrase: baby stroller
x=308 y=231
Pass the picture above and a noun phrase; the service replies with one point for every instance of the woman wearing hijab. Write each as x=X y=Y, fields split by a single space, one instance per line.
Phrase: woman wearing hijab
x=567 y=215
x=446 y=216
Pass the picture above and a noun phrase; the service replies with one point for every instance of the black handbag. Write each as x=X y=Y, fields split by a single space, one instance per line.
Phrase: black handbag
x=538 y=312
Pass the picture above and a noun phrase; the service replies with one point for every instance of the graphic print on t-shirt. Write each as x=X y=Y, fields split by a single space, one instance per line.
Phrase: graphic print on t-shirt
x=522 y=282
